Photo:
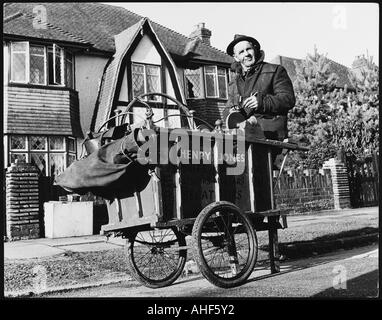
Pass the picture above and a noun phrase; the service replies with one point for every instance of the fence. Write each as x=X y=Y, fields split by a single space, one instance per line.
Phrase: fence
x=363 y=180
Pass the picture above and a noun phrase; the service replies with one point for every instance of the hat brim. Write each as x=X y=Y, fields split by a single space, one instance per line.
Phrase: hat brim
x=243 y=38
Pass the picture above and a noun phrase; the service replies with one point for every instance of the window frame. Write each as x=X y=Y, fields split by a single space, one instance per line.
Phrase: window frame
x=71 y=67
x=45 y=64
x=47 y=82
x=27 y=59
x=62 y=65
x=216 y=82
x=202 y=84
x=147 y=98
x=47 y=152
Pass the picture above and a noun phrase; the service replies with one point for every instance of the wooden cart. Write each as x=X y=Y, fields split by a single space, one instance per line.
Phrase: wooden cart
x=176 y=207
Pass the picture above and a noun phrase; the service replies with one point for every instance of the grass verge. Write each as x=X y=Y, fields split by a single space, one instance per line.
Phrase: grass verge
x=83 y=268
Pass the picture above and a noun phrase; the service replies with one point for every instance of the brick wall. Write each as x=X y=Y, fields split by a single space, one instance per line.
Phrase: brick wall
x=302 y=191
x=22 y=202
x=209 y=110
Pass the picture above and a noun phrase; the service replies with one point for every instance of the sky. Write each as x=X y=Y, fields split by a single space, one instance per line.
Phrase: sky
x=342 y=31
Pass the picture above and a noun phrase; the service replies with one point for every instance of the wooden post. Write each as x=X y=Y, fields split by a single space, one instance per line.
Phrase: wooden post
x=274 y=255
x=272 y=221
x=376 y=172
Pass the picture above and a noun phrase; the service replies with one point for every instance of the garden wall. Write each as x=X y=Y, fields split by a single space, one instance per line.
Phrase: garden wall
x=304 y=191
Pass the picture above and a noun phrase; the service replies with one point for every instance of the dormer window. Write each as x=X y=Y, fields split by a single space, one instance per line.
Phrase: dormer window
x=146 y=79
x=41 y=65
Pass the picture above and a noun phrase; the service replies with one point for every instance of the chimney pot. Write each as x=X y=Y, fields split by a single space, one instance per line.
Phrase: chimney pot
x=202 y=33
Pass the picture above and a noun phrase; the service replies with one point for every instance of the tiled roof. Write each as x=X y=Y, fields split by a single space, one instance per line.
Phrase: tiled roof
x=97 y=24
x=339 y=69
x=110 y=77
x=342 y=73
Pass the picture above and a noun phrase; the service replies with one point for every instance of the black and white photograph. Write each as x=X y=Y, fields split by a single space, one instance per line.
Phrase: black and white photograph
x=188 y=156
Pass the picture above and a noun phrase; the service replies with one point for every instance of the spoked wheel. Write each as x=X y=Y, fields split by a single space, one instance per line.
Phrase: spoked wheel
x=224 y=244
x=155 y=258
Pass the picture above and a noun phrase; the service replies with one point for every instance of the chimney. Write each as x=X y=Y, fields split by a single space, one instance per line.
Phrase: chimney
x=359 y=65
x=202 y=33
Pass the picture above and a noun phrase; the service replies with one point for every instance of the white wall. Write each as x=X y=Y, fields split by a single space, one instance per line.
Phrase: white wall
x=146 y=52
x=123 y=95
x=5 y=63
x=88 y=75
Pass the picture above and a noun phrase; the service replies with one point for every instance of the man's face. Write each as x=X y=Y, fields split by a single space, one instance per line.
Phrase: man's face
x=244 y=53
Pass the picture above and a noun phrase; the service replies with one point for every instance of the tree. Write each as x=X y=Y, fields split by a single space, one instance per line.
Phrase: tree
x=308 y=119
x=357 y=127
x=327 y=118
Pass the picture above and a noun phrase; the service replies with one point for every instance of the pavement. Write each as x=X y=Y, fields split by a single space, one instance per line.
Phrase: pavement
x=46 y=247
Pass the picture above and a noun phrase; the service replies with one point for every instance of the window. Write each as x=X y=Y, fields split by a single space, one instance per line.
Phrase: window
x=193 y=83
x=69 y=70
x=41 y=65
x=50 y=154
x=19 y=61
x=37 y=63
x=215 y=82
x=55 y=65
x=146 y=79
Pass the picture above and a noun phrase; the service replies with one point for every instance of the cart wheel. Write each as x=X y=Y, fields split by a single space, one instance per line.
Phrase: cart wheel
x=154 y=258
x=224 y=244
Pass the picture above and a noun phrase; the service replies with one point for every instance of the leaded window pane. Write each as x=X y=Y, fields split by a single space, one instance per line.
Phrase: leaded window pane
x=19 y=62
x=57 y=65
x=39 y=160
x=210 y=85
x=221 y=72
x=56 y=164
x=222 y=87
x=37 y=68
x=18 y=142
x=153 y=85
x=38 y=143
x=19 y=46
x=193 y=83
x=138 y=84
x=71 y=145
x=69 y=70
x=210 y=69
x=56 y=143
x=21 y=157
x=71 y=159
x=138 y=68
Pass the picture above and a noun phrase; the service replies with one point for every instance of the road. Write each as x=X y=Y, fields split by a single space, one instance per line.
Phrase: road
x=345 y=273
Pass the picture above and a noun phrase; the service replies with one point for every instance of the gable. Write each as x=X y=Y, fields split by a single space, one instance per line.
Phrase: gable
x=138 y=43
x=146 y=52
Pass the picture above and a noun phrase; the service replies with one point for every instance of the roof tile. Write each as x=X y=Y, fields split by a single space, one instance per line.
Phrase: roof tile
x=97 y=24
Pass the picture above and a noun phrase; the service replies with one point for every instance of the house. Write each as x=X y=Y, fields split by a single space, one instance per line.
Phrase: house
x=69 y=66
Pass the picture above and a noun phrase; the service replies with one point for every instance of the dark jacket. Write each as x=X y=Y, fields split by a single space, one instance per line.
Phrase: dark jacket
x=275 y=95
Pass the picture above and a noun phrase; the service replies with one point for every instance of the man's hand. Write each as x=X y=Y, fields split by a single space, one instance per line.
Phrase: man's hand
x=251 y=102
x=234 y=109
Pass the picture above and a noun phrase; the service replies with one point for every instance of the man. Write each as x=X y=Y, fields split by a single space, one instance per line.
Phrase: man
x=259 y=89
